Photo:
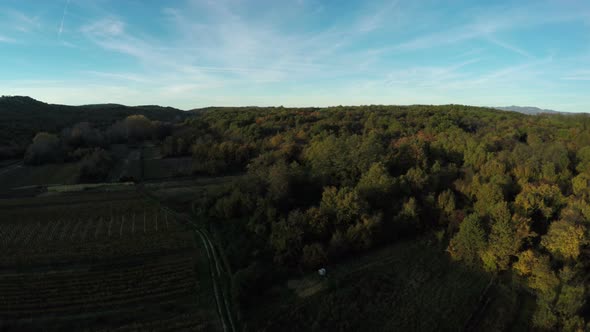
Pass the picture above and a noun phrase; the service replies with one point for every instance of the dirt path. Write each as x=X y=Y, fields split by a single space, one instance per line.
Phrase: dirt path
x=11 y=167
x=216 y=268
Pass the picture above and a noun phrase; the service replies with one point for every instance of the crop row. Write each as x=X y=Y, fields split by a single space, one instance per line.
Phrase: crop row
x=97 y=250
x=78 y=210
x=68 y=290
x=200 y=321
x=10 y=282
x=82 y=230
x=67 y=306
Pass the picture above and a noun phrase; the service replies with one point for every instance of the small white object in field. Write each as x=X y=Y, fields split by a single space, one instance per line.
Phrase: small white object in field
x=322 y=272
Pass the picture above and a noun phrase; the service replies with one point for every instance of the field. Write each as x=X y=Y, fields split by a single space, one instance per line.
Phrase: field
x=167 y=168
x=113 y=261
x=407 y=287
x=22 y=176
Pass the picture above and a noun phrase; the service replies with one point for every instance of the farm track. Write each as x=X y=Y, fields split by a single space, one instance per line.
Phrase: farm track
x=216 y=268
x=11 y=167
x=483 y=303
x=106 y=199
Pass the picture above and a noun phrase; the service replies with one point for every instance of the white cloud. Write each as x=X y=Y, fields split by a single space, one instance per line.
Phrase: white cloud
x=509 y=47
x=375 y=20
x=579 y=75
x=231 y=46
x=63 y=18
x=19 y=21
x=432 y=76
x=4 y=39
x=107 y=27
x=120 y=76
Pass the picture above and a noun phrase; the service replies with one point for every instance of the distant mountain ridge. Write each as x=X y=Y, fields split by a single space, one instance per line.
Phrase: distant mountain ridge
x=22 y=117
x=527 y=110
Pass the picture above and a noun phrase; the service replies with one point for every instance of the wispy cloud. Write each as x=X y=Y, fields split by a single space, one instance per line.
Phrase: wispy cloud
x=377 y=18
x=105 y=27
x=4 y=39
x=119 y=76
x=487 y=25
x=17 y=23
x=233 y=46
x=501 y=76
x=579 y=75
x=509 y=47
x=20 y=21
x=428 y=76
x=63 y=18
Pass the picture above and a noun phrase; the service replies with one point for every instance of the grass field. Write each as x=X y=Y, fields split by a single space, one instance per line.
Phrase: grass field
x=110 y=261
x=40 y=175
x=407 y=287
x=155 y=169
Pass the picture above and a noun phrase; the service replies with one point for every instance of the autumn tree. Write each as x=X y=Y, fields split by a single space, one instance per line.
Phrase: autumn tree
x=96 y=166
x=344 y=205
x=565 y=239
x=543 y=199
x=44 y=149
x=537 y=269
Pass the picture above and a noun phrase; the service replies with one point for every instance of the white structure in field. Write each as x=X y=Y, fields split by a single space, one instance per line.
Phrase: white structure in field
x=322 y=272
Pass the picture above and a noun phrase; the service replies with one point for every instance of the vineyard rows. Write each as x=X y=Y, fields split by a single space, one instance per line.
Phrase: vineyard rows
x=26 y=232
x=78 y=291
x=114 y=262
x=186 y=322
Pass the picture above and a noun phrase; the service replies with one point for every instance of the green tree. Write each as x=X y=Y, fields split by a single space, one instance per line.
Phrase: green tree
x=446 y=201
x=286 y=239
x=488 y=195
x=503 y=242
x=543 y=198
x=583 y=156
x=376 y=185
x=344 y=204
x=468 y=243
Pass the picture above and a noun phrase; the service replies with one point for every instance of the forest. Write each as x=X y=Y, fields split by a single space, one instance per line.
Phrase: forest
x=500 y=193
x=504 y=193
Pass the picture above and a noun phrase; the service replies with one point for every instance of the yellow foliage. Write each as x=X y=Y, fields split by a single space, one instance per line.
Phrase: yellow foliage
x=564 y=239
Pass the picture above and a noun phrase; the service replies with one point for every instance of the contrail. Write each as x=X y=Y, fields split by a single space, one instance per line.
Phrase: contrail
x=63 y=17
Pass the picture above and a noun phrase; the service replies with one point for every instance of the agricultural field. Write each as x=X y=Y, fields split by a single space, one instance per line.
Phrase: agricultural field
x=24 y=175
x=113 y=261
x=182 y=193
x=128 y=165
x=155 y=169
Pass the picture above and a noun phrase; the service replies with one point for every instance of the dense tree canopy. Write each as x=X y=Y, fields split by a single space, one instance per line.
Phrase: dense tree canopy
x=509 y=192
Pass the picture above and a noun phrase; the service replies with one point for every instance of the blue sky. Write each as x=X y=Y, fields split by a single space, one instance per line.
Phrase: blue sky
x=195 y=53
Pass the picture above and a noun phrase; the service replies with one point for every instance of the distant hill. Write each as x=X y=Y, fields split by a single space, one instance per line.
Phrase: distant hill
x=527 y=110
x=22 y=117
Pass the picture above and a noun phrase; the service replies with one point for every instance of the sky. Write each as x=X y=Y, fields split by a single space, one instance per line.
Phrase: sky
x=197 y=53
